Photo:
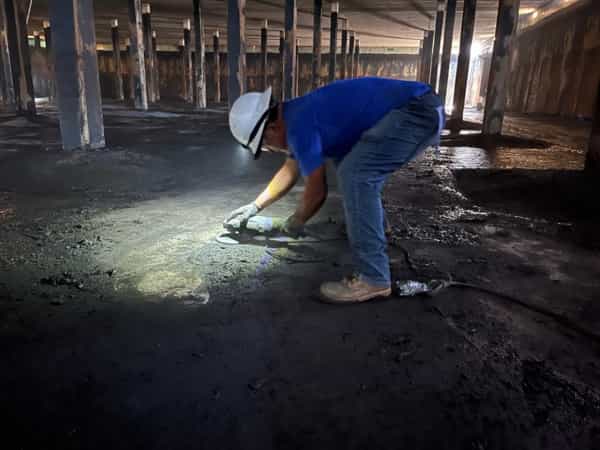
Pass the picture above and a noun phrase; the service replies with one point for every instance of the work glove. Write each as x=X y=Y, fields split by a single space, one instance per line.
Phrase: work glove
x=240 y=216
x=293 y=226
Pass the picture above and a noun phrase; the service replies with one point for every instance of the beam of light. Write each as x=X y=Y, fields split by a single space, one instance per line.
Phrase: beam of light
x=165 y=249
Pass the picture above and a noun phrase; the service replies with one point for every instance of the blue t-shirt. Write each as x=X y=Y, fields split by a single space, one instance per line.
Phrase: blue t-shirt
x=328 y=122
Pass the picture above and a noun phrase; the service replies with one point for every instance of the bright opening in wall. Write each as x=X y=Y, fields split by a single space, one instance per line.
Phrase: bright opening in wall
x=476 y=49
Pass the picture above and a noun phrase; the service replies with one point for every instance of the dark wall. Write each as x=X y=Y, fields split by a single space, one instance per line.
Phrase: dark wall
x=555 y=65
x=171 y=77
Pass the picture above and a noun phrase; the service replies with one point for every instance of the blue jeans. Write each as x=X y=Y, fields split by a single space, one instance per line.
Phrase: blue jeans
x=396 y=139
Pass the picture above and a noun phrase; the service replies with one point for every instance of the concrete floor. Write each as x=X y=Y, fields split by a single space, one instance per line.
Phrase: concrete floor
x=123 y=324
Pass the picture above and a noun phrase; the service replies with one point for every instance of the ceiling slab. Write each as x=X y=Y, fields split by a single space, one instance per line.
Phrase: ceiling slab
x=379 y=23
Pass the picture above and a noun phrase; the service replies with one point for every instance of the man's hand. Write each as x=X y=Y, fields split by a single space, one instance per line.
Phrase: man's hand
x=240 y=216
x=293 y=226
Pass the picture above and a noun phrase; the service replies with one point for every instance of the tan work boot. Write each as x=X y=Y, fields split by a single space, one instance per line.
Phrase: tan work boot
x=352 y=290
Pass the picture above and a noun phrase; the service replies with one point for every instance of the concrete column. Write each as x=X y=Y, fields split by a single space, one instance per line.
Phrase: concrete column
x=18 y=55
x=118 y=78
x=187 y=60
x=156 y=66
x=37 y=42
x=183 y=60
x=437 y=42
x=264 y=54
x=289 y=50
x=351 y=54
x=131 y=83
x=335 y=9
x=217 y=67
x=3 y=87
x=148 y=53
x=422 y=58
x=447 y=49
x=297 y=74
x=281 y=62
x=8 y=94
x=200 y=60
x=592 y=161
x=49 y=61
x=427 y=54
x=464 y=57
x=5 y=75
x=77 y=76
x=236 y=48
x=344 y=57
x=136 y=55
x=420 y=61
x=357 y=70
x=8 y=89
x=316 y=56
x=506 y=25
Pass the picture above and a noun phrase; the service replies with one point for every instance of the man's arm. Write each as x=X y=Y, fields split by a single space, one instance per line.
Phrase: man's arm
x=282 y=182
x=315 y=194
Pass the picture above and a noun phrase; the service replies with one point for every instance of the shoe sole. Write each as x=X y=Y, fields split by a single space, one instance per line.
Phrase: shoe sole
x=365 y=298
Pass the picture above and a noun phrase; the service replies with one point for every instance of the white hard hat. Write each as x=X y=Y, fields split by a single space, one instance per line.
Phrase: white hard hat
x=248 y=117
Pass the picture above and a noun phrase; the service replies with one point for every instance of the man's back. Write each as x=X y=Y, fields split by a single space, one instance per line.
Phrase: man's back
x=327 y=122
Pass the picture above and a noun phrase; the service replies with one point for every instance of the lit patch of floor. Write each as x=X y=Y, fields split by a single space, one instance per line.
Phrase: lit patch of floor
x=165 y=283
x=172 y=255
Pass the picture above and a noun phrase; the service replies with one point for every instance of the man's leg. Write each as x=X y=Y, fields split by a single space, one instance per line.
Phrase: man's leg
x=365 y=216
x=395 y=140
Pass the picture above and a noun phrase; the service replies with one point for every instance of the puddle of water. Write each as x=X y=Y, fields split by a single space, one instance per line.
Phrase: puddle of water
x=553 y=158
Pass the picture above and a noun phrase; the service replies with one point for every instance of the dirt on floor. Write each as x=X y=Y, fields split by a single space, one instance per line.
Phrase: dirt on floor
x=124 y=324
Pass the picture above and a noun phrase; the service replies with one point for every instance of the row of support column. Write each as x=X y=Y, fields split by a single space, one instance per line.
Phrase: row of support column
x=143 y=64
x=78 y=69
x=289 y=49
x=77 y=76
x=150 y=60
x=15 y=58
x=508 y=11
x=143 y=58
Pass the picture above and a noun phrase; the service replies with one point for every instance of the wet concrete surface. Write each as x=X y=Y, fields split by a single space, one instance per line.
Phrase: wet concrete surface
x=124 y=324
x=529 y=142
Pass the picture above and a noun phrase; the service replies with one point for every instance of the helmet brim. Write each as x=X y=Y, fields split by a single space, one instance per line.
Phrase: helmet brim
x=259 y=128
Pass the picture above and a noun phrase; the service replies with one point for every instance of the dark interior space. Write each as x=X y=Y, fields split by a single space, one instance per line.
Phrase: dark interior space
x=133 y=314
